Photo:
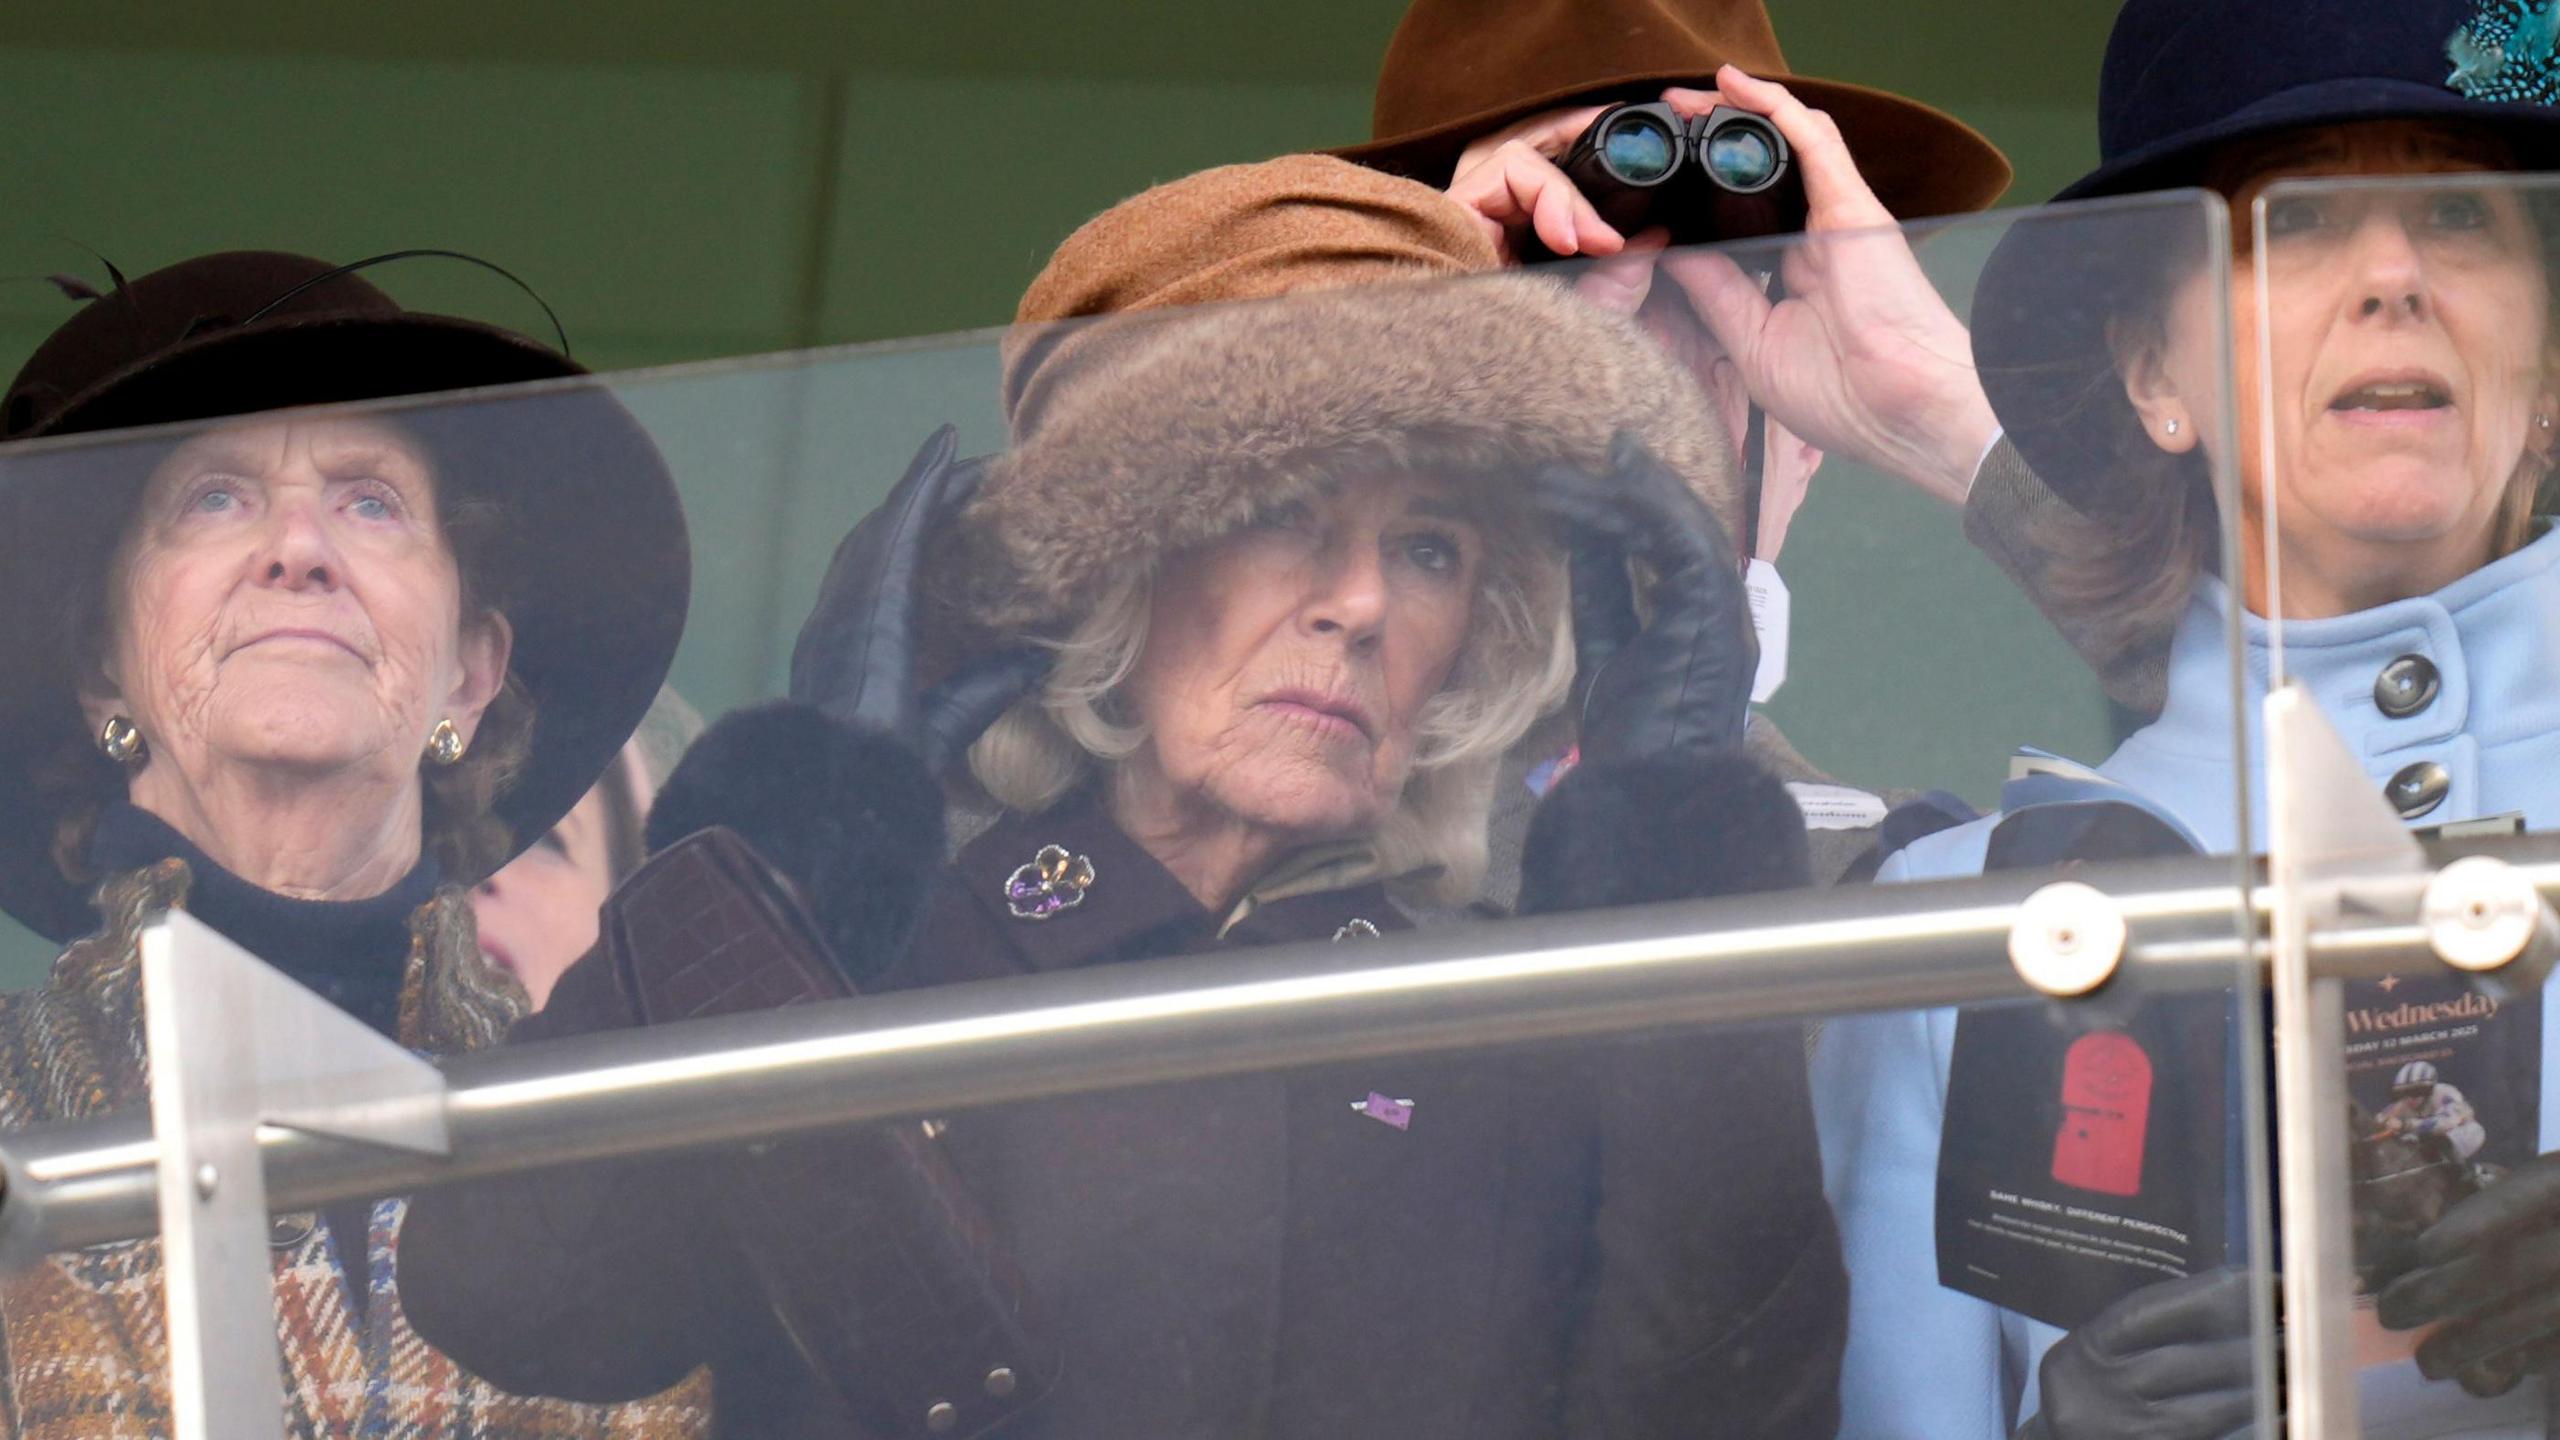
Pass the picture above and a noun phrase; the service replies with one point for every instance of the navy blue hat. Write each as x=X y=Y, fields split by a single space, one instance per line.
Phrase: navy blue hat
x=2182 y=79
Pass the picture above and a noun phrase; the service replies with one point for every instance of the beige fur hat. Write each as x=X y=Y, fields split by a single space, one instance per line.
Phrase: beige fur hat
x=1143 y=434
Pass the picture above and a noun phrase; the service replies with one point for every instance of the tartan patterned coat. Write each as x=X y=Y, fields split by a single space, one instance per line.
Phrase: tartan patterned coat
x=85 y=1331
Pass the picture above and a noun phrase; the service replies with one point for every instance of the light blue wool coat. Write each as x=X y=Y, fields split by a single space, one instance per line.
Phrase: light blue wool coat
x=1927 y=1363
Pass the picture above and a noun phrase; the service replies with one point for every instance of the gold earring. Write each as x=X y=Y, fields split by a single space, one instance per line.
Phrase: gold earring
x=444 y=744
x=121 y=740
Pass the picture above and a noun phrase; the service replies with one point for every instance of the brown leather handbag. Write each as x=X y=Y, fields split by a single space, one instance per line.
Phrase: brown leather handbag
x=878 y=1262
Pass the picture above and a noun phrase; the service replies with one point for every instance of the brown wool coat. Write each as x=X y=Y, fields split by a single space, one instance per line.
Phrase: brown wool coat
x=86 y=1334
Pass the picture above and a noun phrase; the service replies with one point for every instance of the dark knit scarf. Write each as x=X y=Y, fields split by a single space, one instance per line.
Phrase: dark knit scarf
x=352 y=953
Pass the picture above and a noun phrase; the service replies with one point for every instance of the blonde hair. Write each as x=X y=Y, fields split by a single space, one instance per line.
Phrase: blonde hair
x=1514 y=668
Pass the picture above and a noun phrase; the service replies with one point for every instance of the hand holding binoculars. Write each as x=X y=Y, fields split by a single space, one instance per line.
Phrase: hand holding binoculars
x=1724 y=175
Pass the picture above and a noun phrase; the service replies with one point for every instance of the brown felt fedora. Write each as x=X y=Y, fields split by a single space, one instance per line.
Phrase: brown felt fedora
x=1460 y=68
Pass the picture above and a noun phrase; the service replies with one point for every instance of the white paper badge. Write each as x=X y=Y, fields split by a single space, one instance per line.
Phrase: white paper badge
x=1769 y=607
x=1837 y=807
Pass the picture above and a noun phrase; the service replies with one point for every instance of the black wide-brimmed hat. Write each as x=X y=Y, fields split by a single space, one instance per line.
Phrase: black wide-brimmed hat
x=2182 y=79
x=592 y=564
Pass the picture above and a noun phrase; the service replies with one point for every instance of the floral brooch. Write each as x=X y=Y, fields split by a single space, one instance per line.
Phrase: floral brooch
x=1053 y=881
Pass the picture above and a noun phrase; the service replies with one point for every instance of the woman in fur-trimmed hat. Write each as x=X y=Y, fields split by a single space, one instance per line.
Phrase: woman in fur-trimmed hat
x=1291 y=582
x=1325 y=609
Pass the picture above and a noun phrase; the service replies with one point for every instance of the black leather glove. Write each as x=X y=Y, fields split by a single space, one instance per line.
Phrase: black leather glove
x=1683 y=678
x=2170 y=1361
x=857 y=654
x=2489 y=1271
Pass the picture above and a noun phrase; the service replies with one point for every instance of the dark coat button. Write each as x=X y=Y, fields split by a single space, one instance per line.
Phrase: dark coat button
x=2406 y=686
x=2417 y=789
x=287 y=1232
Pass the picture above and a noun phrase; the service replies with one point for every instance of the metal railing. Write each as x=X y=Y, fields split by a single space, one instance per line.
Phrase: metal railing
x=749 y=1077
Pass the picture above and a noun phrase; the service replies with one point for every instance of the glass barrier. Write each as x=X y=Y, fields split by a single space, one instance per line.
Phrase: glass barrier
x=2113 y=1291
x=1273 y=908
x=2399 y=387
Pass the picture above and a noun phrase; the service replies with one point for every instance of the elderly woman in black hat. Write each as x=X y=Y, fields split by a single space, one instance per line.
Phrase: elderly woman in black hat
x=2404 y=344
x=297 y=673
x=1290 y=595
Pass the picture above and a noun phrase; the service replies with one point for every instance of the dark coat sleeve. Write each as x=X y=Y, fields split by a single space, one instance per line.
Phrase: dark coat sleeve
x=1720 y=1305
x=613 y=1280
x=596 y=1282
x=2004 y=514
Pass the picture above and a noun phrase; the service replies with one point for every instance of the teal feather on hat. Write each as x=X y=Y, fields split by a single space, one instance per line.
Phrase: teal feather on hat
x=2508 y=52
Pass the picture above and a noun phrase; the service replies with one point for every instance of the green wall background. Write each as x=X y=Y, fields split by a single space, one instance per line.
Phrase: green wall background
x=685 y=182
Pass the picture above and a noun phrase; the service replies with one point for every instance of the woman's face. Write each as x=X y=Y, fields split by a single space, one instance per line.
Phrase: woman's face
x=287 y=600
x=1286 y=665
x=2396 y=361
x=539 y=914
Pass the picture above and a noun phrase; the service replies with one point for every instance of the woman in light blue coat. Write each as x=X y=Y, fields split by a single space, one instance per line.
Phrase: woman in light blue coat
x=2413 y=396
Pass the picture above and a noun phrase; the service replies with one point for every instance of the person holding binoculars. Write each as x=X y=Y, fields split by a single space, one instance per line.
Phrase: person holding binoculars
x=1548 y=133
x=1614 y=131
x=1608 y=134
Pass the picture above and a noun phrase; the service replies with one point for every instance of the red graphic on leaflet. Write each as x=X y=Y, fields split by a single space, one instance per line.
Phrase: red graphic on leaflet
x=2106 y=1108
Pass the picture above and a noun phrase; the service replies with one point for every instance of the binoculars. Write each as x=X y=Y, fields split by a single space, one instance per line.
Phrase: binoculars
x=1724 y=175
